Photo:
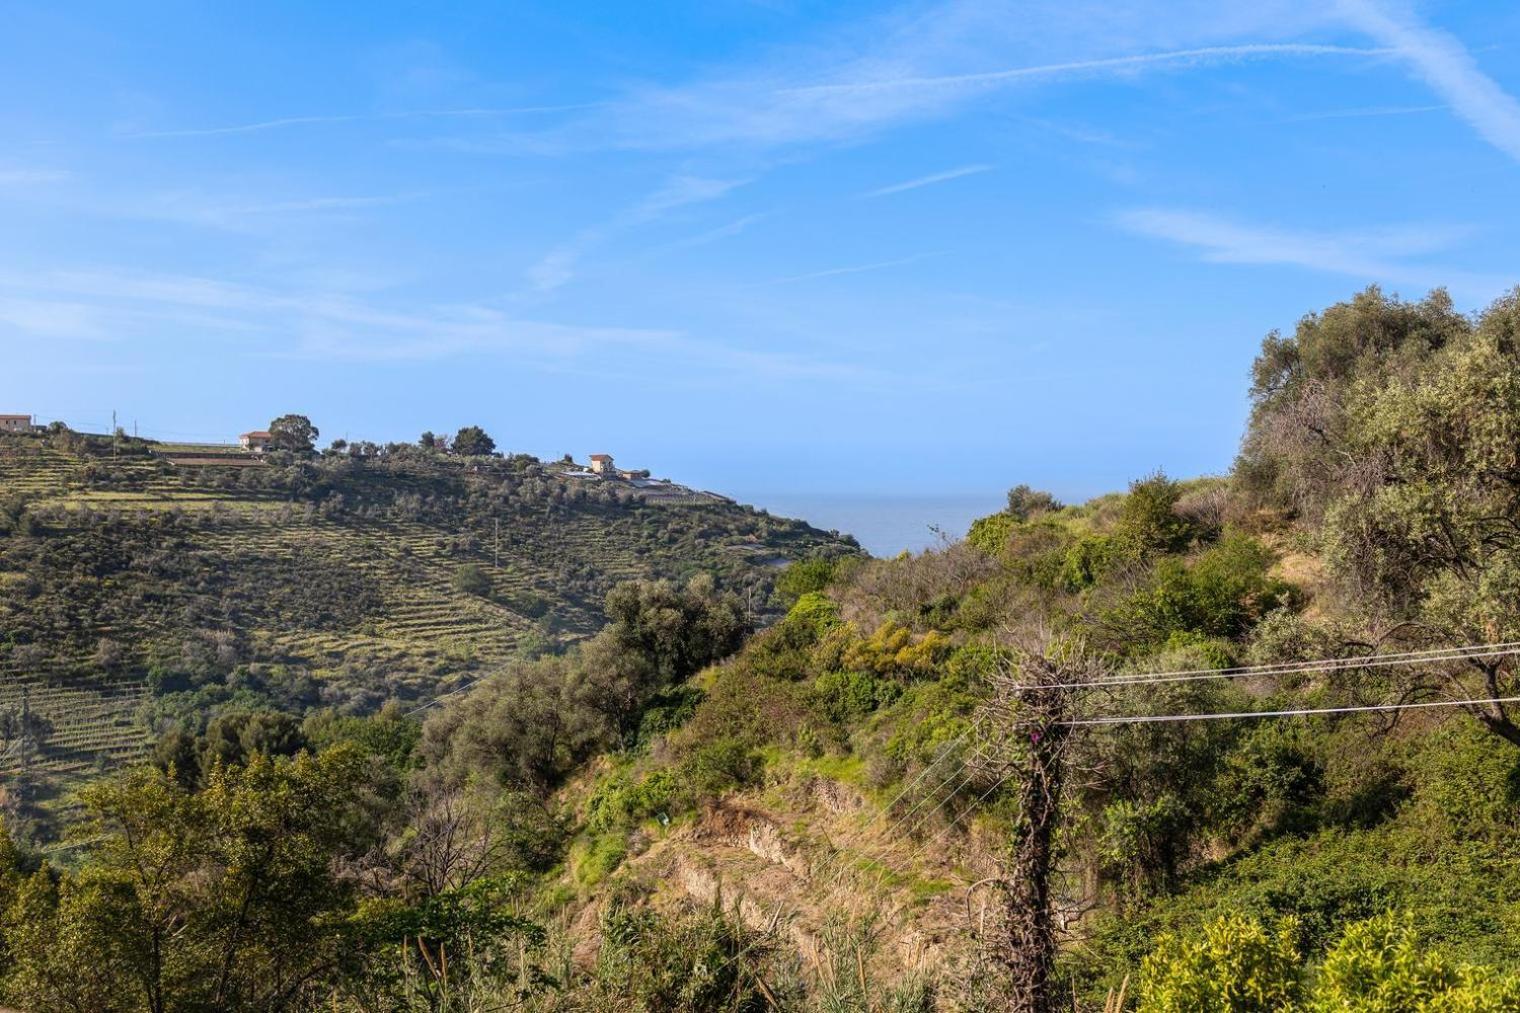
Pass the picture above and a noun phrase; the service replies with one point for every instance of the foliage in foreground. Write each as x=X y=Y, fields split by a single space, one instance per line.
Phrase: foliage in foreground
x=1238 y=965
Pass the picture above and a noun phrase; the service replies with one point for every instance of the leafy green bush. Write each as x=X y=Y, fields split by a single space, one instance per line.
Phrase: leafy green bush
x=1379 y=965
x=814 y=610
x=990 y=534
x=842 y=697
x=720 y=766
x=1222 y=594
x=620 y=803
x=471 y=578
x=1236 y=966
x=805 y=577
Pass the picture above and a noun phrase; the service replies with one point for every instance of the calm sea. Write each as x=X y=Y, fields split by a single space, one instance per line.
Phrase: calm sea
x=884 y=525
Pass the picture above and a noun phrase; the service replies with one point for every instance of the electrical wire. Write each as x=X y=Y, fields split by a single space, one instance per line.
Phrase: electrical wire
x=984 y=796
x=1293 y=668
x=1298 y=712
x=943 y=752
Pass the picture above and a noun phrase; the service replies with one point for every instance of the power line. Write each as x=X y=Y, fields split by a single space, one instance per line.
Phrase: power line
x=1299 y=712
x=943 y=751
x=970 y=774
x=1294 y=668
x=933 y=792
x=1349 y=659
x=453 y=692
x=960 y=816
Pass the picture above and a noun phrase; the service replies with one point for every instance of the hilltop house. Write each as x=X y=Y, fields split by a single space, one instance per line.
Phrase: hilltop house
x=257 y=441
x=601 y=464
x=15 y=423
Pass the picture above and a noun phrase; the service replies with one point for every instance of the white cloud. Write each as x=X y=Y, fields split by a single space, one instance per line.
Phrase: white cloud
x=956 y=83
x=320 y=325
x=1447 y=67
x=53 y=318
x=929 y=180
x=556 y=268
x=1382 y=254
x=733 y=228
x=31 y=177
x=832 y=272
x=770 y=108
x=285 y=122
x=1363 y=112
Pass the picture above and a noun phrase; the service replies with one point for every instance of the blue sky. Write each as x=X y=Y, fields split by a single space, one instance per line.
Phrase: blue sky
x=760 y=245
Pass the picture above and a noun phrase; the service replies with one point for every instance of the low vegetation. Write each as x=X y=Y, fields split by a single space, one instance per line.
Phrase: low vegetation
x=890 y=797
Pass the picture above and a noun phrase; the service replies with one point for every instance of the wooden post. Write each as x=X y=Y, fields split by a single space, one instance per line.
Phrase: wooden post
x=1033 y=704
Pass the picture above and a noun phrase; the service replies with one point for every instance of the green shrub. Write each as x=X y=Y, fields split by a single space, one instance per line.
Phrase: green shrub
x=472 y=578
x=814 y=610
x=689 y=963
x=720 y=766
x=1148 y=520
x=599 y=857
x=991 y=534
x=805 y=577
x=842 y=697
x=1236 y=966
x=619 y=804
x=1379 y=965
x=1222 y=594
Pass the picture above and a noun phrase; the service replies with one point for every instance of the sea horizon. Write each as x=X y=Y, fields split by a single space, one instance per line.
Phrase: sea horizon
x=884 y=524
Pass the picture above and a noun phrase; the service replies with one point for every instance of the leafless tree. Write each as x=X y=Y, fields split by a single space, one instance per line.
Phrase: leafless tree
x=452 y=838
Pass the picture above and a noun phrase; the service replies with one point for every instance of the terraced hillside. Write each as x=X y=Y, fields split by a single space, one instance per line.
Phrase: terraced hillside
x=142 y=582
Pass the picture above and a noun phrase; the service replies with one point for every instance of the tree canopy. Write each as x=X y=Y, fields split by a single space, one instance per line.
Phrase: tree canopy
x=472 y=441
x=294 y=433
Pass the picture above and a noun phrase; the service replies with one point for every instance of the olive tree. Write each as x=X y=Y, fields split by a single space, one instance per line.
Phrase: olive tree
x=1394 y=430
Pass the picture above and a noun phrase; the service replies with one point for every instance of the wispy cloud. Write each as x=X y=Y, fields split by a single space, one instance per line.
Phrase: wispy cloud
x=1383 y=254
x=833 y=272
x=287 y=122
x=323 y=204
x=1076 y=68
x=30 y=177
x=929 y=180
x=733 y=228
x=867 y=94
x=1447 y=67
x=326 y=325
x=250 y=214
x=1365 y=111
x=556 y=268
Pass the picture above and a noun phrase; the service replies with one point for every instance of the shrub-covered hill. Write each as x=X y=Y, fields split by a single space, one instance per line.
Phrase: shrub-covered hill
x=933 y=784
x=139 y=580
x=852 y=784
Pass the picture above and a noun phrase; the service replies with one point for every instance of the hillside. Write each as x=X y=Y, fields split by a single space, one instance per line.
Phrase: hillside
x=1285 y=767
x=1243 y=743
x=140 y=581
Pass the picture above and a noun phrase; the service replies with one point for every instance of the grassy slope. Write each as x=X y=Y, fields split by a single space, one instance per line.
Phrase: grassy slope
x=348 y=581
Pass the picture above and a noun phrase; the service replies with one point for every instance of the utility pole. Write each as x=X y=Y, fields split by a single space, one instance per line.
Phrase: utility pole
x=1033 y=704
x=26 y=731
x=114 y=431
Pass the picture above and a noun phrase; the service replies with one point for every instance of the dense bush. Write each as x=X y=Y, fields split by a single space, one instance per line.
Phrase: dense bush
x=1238 y=965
